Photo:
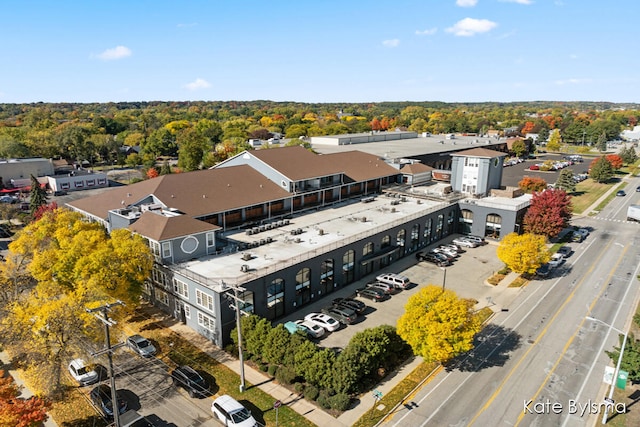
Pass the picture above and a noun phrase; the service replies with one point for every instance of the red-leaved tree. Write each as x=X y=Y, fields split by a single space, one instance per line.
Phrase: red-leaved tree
x=532 y=184
x=18 y=412
x=615 y=160
x=549 y=213
x=375 y=124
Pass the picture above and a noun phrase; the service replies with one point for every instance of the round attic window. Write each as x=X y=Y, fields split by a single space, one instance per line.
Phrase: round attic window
x=189 y=244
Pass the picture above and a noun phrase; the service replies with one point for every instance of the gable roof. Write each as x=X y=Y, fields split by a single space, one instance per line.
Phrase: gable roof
x=195 y=194
x=359 y=166
x=415 y=168
x=479 y=152
x=160 y=227
x=296 y=162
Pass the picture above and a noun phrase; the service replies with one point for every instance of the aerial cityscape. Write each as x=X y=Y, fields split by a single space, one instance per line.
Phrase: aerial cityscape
x=360 y=214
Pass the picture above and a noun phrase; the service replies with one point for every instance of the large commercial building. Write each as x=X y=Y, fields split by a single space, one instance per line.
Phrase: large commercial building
x=284 y=227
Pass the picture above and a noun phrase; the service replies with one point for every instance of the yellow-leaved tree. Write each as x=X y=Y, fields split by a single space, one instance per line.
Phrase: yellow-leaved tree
x=73 y=265
x=523 y=253
x=438 y=325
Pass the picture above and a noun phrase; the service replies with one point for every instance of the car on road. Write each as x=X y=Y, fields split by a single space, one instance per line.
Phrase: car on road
x=565 y=251
x=432 y=258
x=313 y=330
x=638 y=188
x=543 y=271
x=323 y=320
x=101 y=398
x=576 y=237
x=141 y=345
x=556 y=260
x=583 y=232
x=621 y=193
x=375 y=295
x=466 y=243
x=346 y=316
x=82 y=373
x=232 y=413
x=355 y=305
x=190 y=380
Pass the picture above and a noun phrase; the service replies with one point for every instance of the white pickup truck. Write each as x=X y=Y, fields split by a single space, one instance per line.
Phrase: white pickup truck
x=633 y=213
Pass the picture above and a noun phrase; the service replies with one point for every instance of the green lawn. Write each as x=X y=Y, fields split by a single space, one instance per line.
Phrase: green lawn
x=587 y=192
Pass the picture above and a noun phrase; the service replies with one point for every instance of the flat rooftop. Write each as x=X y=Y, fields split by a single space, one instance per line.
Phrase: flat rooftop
x=412 y=147
x=321 y=231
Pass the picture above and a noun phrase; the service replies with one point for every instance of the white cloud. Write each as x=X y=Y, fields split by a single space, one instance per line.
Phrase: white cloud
x=470 y=27
x=198 y=84
x=391 y=43
x=572 y=81
x=518 y=1
x=428 y=32
x=466 y=3
x=114 y=53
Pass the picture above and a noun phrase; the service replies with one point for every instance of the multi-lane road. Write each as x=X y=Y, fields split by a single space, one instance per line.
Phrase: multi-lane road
x=541 y=363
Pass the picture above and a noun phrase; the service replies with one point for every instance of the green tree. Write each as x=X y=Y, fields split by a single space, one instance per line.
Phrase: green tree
x=276 y=345
x=602 y=142
x=192 y=148
x=37 y=196
x=628 y=154
x=601 y=170
x=523 y=253
x=630 y=358
x=438 y=325
x=322 y=363
x=519 y=148
x=543 y=135
x=565 y=181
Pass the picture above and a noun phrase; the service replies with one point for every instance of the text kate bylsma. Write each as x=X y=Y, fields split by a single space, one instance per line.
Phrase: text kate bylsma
x=572 y=407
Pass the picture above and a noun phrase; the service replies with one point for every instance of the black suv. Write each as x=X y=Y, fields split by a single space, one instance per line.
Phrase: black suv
x=190 y=380
x=101 y=398
x=355 y=305
x=433 y=259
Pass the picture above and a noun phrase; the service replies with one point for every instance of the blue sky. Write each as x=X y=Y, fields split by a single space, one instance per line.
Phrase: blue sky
x=320 y=51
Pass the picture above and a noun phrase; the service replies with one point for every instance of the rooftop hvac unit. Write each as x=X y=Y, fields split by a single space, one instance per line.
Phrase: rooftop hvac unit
x=263 y=241
x=246 y=257
x=244 y=268
x=321 y=232
x=363 y=219
x=269 y=239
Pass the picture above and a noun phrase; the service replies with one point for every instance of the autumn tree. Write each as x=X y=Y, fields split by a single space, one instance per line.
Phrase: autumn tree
x=523 y=253
x=554 y=141
x=519 y=148
x=532 y=184
x=565 y=181
x=438 y=325
x=152 y=173
x=527 y=128
x=615 y=160
x=548 y=213
x=600 y=170
x=16 y=411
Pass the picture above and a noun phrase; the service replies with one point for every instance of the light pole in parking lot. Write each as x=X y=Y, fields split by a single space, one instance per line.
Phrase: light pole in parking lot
x=609 y=400
x=444 y=278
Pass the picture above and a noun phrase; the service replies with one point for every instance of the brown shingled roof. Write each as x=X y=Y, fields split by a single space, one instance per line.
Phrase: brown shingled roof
x=479 y=152
x=194 y=193
x=359 y=166
x=160 y=227
x=414 y=168
x=296 y=162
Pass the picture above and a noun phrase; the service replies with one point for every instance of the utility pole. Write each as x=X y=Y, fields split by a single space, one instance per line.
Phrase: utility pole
x=109 y=351
x=237 y=300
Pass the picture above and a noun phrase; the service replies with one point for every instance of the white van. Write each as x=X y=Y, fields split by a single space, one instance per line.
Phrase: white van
x=396 y=280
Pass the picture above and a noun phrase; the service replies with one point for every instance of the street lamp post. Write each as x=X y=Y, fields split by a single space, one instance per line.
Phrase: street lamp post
x=617 y=370
x=444 y=278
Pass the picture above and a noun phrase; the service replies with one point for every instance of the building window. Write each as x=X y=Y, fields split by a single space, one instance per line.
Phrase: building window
x=415 y=236
x=162 y=297
x=180 y=288
x=275 y=297
x=155 y=247
x=246 y=302
x=427 y=230
x=211 y=241
x=187 y=311
x=386 y=241
x=166 y=249
x=204 y=300
x=303 y=286
x=326 y=275
x=400 y=237
x=348 y=264
x=206 y=322
x=467 y=215
x=368 y=249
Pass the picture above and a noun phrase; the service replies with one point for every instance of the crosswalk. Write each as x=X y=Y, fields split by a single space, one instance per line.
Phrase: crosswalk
x=615 y=220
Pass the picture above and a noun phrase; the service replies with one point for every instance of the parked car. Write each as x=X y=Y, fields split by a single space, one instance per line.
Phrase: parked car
x=543 y=271
x=576 y=237
x=443 y=255
x=101 y=398
x=141 y=345
x=373 y=294
x=396 y=280
x=432 y=258
x=384 y=287
x=82 y=373
x=8 y=199
x=638 y=188
x=621 y=193
x=447 y=251
x=232 y=413
x=355 y=305
x=565 y=251
x=346 y=316
x=454 y=247
x=132 y=418
x=461 y=241
x=584 y=232
x=556 y=260
x=313 y=330
x=190 y=380
x=323 y=320
x=479 y=240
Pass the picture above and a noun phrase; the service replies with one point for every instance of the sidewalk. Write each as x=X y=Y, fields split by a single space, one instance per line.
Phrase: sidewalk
x=25 y=392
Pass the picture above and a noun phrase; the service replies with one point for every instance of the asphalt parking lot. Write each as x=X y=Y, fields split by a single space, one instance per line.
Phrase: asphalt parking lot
x=511 y=175
x=482 y=261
